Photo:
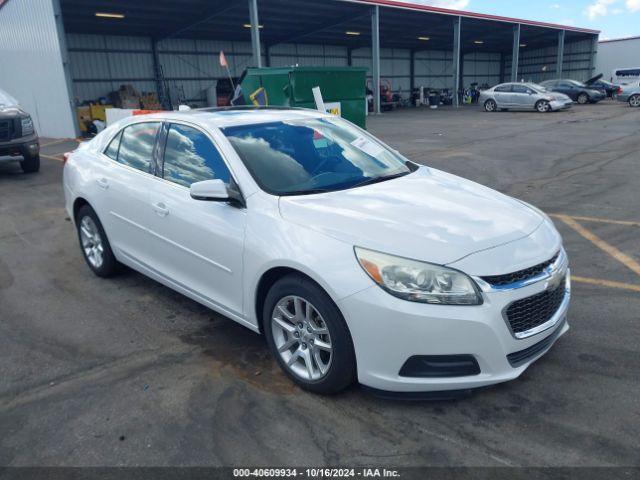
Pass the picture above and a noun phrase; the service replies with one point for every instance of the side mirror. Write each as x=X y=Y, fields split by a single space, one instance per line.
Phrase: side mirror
x=210 y=190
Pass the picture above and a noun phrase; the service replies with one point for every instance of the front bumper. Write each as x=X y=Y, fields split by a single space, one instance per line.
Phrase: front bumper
x=28 y=146
x=560 y=105
x=387 y=331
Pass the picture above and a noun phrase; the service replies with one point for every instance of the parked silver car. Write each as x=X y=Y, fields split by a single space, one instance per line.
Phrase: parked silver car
x=630 y=93
x=523 y=96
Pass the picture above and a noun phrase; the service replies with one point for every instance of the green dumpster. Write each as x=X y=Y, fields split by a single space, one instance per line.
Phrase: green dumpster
x=343 y=89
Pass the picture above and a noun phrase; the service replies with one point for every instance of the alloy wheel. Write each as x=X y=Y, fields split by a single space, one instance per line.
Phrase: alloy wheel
x=490 y=106
x=302 y=338
x=634 y=101
x=583 y=99
x=543 y=107
x=91 y=242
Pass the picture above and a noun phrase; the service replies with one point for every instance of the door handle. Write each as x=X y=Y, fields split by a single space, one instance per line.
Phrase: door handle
x=103 y=183
x=161 y=209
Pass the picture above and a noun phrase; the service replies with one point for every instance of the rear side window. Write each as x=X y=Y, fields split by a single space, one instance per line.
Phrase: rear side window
x=136 y=145
x=190 y=157
x=503 y=88
x=114 y=146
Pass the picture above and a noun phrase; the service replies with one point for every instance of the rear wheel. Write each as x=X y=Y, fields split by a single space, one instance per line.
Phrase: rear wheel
x=30 y=164
x=583 y=99
x=634 y=101
x=308 y=335
x=490 y=106
x=543 y=106
x=94 y=243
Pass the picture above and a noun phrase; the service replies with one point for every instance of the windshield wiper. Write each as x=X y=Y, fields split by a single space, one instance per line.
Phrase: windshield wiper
x=372 y=181
x=311 y=191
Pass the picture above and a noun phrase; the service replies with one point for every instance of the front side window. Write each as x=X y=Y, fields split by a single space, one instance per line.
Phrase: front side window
x=503 y=88
x=190 y=157
x=136 y=145
x=520 y=89
x=297 y=157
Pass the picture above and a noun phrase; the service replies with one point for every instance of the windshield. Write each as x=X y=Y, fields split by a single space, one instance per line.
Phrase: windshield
x=576 y=83
x=7 y=100
x=297 y=157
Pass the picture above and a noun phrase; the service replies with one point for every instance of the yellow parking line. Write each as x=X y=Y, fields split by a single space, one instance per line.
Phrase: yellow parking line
x=49 y=157
x=599 y=220
x=56 y=142
x=606 y=283
x=623 y=258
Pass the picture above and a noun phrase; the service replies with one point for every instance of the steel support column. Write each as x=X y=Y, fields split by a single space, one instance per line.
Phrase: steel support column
x=594 y=53
x=412 y=72
x=375 y=56
x=560 y=60
x=457 y=45
x=515 y=55
x=502 y=67
x=255 y=33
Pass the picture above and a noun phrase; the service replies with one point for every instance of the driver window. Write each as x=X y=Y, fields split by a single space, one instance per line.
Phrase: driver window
x=190 y=157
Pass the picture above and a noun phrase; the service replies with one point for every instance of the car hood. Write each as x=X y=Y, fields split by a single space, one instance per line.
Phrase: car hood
x=428 y=215
x=11 y=112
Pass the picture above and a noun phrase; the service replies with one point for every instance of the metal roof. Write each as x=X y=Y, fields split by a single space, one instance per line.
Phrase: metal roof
x=465 y=14
x=309 y=21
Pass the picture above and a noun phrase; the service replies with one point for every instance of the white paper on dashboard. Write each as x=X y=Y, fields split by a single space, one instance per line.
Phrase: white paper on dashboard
x=367 y=146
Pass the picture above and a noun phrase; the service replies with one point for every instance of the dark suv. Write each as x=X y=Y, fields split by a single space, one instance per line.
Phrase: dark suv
x=18 y=136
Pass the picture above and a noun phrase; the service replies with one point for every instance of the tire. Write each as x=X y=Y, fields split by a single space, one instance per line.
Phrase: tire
x=634 y=101
x=94 y=243
x=490 y=106
x=543 y=106
x=295 y=329
x=583 y=99
x=30 y=164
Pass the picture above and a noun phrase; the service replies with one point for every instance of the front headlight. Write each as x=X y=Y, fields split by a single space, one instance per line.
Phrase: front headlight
x=27 y=126
x=418 y=281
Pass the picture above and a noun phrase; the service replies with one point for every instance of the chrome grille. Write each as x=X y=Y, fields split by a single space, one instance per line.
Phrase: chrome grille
x=531 y=312
x=6 y=128
x=521 y=275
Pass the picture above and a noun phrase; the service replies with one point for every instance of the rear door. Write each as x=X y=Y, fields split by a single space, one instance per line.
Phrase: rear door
x=502 y=95
x=124 y=182
x=197 y=245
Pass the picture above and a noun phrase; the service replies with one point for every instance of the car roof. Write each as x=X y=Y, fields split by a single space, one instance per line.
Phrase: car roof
x=234 y=116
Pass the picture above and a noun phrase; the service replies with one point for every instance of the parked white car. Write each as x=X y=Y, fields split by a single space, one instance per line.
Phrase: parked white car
x=354 y=262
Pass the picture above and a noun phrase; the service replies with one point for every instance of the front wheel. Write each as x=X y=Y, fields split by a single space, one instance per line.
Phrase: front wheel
x=634 y=101
x=308 y=335
x=30 y=164
x=490 y=106
x=543 y=106
x=583 y=99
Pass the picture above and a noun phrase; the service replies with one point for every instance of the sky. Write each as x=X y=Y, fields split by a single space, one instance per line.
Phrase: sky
x=615 y=18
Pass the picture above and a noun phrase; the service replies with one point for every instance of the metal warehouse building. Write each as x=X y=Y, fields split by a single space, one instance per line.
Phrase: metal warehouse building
x=618 y=53
x=55 y=54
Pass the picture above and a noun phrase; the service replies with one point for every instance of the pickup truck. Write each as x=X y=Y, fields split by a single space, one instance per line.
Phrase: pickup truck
x=18 y=137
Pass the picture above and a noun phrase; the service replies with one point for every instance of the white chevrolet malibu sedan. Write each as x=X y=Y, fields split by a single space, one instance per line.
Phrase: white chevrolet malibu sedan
x=352 y=261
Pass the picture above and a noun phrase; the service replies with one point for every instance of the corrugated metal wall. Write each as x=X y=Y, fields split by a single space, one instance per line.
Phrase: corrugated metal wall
x=540 y=65
x=101 y=64
x=31 y=62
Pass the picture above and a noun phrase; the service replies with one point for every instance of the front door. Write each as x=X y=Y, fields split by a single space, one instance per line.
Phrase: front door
x=197 y=245
x=522 y=97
